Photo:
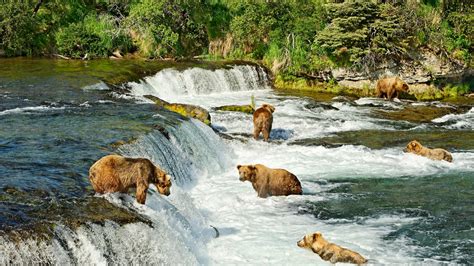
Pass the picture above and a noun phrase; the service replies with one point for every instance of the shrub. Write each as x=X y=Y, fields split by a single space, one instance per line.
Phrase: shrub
x=96 y=35
x=19 y=29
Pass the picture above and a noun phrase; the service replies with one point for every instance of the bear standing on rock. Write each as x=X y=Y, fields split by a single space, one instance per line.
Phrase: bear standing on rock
x=270 y=182
x=390 y=87
x=115 y=173
x=262 y=121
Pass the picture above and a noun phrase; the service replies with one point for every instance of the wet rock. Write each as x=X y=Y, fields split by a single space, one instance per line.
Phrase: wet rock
x=376 y=139
x=118 y=143
x=163 y=131
x=420 y=114
x=186 y=110
x=248 y=109
x=39 y=221
x=425 y=69
x=324 y=106
x=316 y=142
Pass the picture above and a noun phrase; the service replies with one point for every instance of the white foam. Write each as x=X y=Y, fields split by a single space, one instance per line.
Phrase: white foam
x=457 y=121
x=265 y=231
x=30 y=110
x=100 y=86
x=85 y=104
x=396 y=104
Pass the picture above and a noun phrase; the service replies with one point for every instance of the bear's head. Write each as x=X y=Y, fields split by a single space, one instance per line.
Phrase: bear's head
x=247 y=172
x=401 y=85
x=313 y=241
x=413 y=147
x=162 y=182
x=405 y=87
x=269 y=107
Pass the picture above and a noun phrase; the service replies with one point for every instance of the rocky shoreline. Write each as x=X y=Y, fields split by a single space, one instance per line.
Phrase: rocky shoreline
x=429 y=76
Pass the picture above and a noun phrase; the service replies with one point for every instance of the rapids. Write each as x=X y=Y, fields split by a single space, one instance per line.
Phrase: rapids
x=360 y=190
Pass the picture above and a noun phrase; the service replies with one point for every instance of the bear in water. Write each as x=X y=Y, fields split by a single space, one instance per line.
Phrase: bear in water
x=329 y=251
x=434 y=154
x=115 y=173
x=270 y=182
x=262 y=121
x=390 y=87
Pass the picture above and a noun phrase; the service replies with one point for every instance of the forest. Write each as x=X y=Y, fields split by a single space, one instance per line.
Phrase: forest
x=291 y=37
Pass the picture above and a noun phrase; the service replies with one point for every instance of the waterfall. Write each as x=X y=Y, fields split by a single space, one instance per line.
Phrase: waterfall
x=192 y=150
x=187 y=149
x=178 y=232
x=168 y=84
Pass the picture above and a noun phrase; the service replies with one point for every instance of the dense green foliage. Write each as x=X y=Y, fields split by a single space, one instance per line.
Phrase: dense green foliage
x=295 y=37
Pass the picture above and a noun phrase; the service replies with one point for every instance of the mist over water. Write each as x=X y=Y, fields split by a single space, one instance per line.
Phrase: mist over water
x=360 y=190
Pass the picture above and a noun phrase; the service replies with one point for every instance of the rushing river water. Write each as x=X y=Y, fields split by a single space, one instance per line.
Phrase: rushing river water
x=360 y=190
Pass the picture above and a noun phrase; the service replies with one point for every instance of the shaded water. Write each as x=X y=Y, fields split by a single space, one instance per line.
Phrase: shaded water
x=360 y=189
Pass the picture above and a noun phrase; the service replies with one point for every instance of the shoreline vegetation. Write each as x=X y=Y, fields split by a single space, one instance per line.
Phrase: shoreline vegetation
x=336 y=46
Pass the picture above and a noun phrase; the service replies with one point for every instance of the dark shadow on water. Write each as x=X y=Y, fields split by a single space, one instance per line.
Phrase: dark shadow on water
x=281 y=134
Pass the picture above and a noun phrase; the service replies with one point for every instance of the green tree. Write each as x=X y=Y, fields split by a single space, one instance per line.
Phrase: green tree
x=20 y=32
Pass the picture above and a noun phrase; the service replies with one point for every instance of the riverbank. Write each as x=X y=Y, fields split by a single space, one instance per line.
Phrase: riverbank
x=420 y=92
x=117 y=72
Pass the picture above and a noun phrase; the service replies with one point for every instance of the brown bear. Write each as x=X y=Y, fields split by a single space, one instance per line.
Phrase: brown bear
x=270 y=182
x=329 y=251
x=115 y=173
x=434 y=154
x=390 y=87
x=262 y=121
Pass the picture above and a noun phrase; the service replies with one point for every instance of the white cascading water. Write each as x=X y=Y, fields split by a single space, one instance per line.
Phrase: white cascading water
x=207 y=190
x=179 y=231
x=171 y=84
x=265 y=231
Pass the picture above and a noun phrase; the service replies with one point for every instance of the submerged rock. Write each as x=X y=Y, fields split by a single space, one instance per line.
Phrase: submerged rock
x=420 y=113
x=187 y=110
x=248 y=109
x=38 y=212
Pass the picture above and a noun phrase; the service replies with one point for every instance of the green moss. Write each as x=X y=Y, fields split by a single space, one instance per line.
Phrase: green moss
x=450 y=91
x=248 y=109
x=177 y=109
x=301 y=84
x=190 y=111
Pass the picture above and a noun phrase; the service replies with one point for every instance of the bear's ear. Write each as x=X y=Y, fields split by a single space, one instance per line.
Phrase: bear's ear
x=272 y=108
x=238 y=167
x=252 y=167
x=316 y=235
x=414 y=143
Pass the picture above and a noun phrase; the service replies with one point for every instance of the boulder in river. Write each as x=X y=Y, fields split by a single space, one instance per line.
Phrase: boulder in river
x=187 y=110
x=248 y=109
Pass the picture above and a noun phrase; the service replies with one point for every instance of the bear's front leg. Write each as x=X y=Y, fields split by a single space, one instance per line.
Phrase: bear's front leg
x=141 y=193
x=262 y=192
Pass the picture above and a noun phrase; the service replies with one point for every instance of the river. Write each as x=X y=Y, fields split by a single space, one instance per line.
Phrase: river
x=359 y=189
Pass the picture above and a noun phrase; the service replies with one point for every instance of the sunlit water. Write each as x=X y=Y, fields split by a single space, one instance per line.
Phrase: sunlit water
x=360 y=190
